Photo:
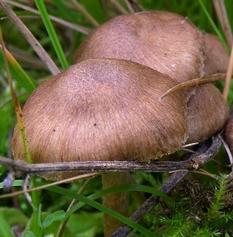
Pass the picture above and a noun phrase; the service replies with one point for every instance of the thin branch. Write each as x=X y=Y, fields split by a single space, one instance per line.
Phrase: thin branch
x=172 y=181
x=83 y=10
x=30 y=38
x=114 y=166
x=87 y=166
x=62 y=22
x=228 y=76
x=220 y=9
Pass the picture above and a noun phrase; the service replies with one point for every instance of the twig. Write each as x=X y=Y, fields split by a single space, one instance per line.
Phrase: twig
x=62 y=22
x=220 y=9
x=228 y=76
x=30 y=38
x=82 y=9
x=113 y=166
x=172 y=181
x=87 y=166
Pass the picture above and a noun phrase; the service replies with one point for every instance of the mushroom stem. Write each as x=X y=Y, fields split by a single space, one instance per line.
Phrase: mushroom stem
x=117 y=201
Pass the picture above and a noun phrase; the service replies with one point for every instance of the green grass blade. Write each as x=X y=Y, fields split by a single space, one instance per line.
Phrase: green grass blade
x=116 y=215
x=18 y=73
x=126 y=188
x=5 y=229
x=89 y=201
x=213 y=25
x=52 y=33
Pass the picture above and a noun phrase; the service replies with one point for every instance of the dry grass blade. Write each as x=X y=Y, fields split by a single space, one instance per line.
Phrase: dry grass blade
x=18 y=109
x=62 y=22
x=30 y=38
x=228 y=76
x=194 y=82
x=129 y=6
x=118 y=6
x=228 y=151
x=205 y=173
x=220 y=9
x=135 y=5
x=82 y=9
x=68 y=180
x=28 y=60
x=22 y=77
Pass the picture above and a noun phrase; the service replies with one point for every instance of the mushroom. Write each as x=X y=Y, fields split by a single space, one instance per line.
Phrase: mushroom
x=103 y=109
x=216 y=55
x=207 y=113
x=164 y=41
x=207 y=109
x=170 y=44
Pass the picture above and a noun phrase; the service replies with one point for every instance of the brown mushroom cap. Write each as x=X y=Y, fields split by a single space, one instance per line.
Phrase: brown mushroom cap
x=164 y=41
x=207 y=109
x=207 y=113
x=103 y=109
x=216 y=55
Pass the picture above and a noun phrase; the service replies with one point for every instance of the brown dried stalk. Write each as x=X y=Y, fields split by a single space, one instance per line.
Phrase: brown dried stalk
x=65 y=23
x=30 y=38
x=195 y=82
x=228 y=76
x=83 y=10
x=220 y=9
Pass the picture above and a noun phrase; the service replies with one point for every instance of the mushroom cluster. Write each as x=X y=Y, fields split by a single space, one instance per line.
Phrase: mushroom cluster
x=107 y=106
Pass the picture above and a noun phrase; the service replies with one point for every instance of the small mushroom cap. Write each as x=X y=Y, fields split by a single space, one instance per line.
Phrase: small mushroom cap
x=164 y=41
x=103 y=109
x=207 y=113
x=216 y=56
